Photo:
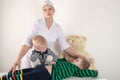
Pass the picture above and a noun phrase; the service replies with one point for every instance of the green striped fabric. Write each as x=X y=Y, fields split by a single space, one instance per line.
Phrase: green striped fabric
x=63 y=69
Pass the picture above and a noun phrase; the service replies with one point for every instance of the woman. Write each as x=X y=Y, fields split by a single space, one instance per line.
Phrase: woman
x=48 y=29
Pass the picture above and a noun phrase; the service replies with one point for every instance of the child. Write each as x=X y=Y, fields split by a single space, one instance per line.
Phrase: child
x=61 y=70
x=84 y=63
x=41 y=54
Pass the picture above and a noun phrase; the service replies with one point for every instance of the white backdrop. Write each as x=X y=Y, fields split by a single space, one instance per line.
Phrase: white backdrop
x=98 y=20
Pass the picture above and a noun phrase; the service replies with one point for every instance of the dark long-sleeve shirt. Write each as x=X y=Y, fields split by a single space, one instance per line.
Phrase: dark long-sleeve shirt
x=42 y=56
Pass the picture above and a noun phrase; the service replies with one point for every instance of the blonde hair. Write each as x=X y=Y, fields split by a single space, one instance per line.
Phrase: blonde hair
x=39 y=41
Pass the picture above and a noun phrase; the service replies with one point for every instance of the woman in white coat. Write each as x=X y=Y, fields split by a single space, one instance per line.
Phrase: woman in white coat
x=47 y=28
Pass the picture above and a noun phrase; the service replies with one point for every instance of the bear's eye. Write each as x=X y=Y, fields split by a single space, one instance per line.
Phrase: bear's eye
x=72 y=40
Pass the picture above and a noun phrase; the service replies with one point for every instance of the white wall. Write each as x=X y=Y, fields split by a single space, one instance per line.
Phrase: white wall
x=98 y=20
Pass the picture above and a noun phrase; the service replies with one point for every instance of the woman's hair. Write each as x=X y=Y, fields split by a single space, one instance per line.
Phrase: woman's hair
x=39 y=40
x=85 y=64
x=47 y=2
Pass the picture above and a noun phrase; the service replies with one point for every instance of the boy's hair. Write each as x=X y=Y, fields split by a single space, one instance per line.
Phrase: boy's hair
x=39 y=40
x=85 y=64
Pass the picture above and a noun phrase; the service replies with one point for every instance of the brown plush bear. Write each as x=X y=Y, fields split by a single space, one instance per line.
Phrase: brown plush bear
x=78 y=42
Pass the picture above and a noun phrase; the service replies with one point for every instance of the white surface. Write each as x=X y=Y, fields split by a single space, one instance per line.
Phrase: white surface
x=3 y=73
x=98 y=20
x=85 y=78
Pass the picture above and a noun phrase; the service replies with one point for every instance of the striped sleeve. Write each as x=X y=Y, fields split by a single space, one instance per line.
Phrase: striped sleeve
x=34 y=56
x=86 y=73
x=52 y=54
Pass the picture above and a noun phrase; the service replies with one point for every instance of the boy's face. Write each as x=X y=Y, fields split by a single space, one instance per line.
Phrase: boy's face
x=78 y=62
x=41 y=48
x=69 y=57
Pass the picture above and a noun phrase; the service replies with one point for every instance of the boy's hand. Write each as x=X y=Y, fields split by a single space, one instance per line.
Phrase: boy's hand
x=49 y=59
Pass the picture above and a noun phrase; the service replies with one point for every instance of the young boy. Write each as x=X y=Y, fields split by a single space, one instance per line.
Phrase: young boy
x=41 y=54
x=61 y=70
x=84 y=63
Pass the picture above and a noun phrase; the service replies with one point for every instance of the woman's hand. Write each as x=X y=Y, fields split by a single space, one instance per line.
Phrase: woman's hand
x=17 y=63
x=81 y=56
x=72 y=52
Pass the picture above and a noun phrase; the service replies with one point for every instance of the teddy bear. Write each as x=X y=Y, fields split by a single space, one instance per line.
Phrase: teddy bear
x=78 y=42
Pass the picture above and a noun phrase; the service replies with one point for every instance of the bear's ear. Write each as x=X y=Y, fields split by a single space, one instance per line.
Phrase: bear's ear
x=84 y=38
x=69 y=37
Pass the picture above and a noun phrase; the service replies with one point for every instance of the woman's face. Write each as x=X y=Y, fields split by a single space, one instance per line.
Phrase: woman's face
x=48 y=11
